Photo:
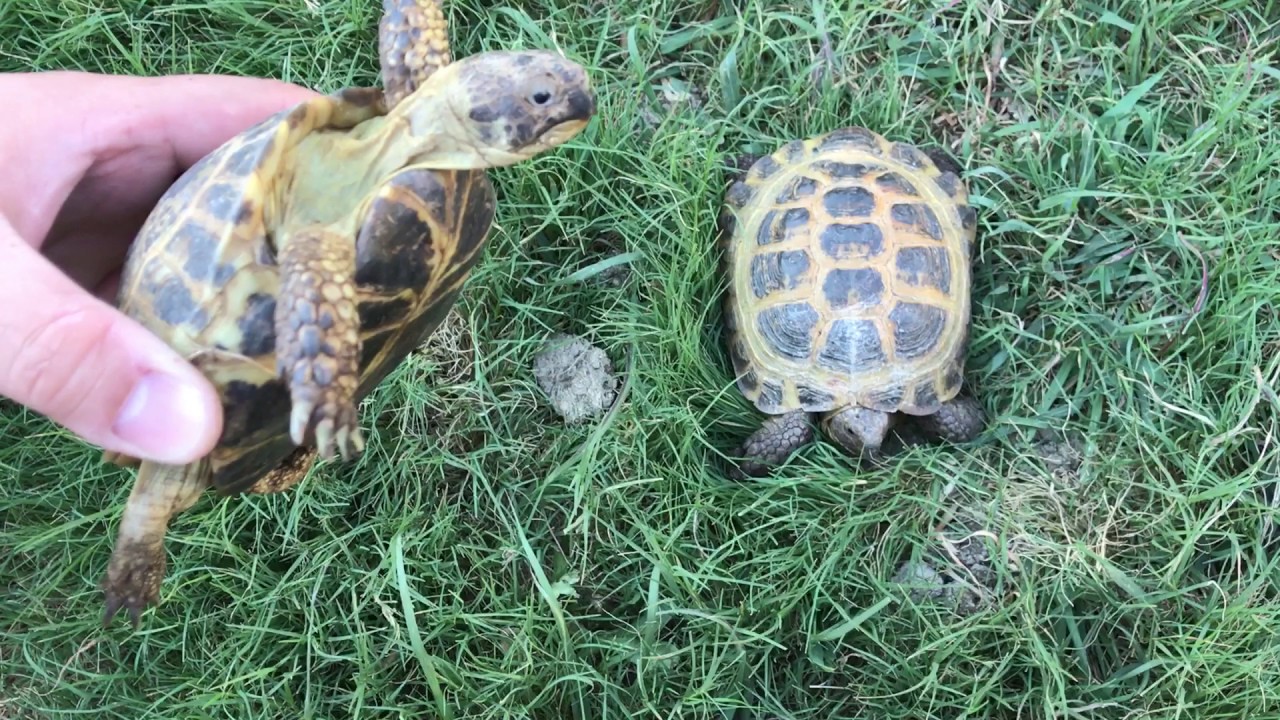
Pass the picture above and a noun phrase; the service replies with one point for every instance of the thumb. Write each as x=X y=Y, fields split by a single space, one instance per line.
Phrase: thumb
x=85 y=365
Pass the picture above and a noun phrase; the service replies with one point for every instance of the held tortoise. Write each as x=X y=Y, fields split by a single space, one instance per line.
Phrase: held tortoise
x=848 y=264
x=299 y=263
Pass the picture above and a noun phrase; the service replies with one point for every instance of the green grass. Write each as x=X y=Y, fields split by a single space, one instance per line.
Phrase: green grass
x=484 y=561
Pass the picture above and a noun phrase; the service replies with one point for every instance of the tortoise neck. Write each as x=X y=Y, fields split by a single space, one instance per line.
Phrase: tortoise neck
x=426 y=129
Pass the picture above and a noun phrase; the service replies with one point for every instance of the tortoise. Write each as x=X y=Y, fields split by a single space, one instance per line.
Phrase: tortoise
x=848 y=263
x=300 y=262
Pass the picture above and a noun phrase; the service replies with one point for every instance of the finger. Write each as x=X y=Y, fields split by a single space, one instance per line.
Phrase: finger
x=75 y=359
x=74 y=121
x=189 y=115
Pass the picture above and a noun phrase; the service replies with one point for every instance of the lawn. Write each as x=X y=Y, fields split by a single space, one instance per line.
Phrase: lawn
x=1109 y=544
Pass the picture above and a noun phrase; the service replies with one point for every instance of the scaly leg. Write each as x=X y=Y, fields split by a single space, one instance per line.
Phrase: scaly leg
x=778 y=437
x=137 y=563
x=318 y=340
x=413 y=42
x=960 y=420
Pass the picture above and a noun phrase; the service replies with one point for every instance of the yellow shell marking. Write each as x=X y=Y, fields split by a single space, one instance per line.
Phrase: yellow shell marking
x=824 y=226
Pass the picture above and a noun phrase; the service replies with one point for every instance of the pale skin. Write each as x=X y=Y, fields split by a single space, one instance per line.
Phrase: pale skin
x=86 y=158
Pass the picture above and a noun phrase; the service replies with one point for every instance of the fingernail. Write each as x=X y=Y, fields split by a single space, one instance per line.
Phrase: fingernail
x=164 y=418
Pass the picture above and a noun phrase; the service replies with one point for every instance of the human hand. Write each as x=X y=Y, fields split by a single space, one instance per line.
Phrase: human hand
x=85 y=158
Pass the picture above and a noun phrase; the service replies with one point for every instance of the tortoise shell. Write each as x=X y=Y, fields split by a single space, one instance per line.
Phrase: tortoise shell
x=849 y=282
x=203 y=275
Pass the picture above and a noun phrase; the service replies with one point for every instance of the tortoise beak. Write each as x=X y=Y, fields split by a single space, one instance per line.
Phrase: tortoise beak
x=581 y=106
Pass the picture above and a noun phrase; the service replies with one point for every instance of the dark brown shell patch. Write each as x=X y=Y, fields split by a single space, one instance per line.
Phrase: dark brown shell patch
x=248 y=209
x=846 y=171
x=473 y=209
x=886 y=399
x=296 y=117
x=848 y=287
x=793 y=151
x=764 y=168
x=738 y=194
x=258 y=325
x=202 y=255
x=852 y=346
x=949 y=182
x=951 y=380
x=788 y=329
x=925 y=395
x=811 y=397
x=222 y=200
x=908 y=155
x=175 y=305
x=850 y=138
x=793 y=223
x=383 y=311
x=894 y=183
x=784 y=270
x=257 y=145
x=372 y=345
x=770 y=395
x=775 y=229
x=917 y=329
x=840 y=241
x=738 y=356
x=799 y=188
x=395 y=247
x=917 y=218
x=845 y=202
x=248 y=408
x=921 y=266
x=764 y=233
x=968 y=218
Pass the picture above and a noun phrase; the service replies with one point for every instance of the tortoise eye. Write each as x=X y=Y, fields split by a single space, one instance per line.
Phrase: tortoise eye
x=540 y=97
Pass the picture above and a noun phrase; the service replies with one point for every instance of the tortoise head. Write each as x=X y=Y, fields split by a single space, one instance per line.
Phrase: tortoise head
x=502 y=107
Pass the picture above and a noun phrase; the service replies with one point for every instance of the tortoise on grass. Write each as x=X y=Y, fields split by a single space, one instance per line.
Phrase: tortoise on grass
x=299 y=263
x=849 y=281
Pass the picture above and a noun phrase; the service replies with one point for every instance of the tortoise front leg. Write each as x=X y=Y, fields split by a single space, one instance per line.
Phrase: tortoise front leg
x=413 y=42
x=778 y=437
x=318 y=340
x=960 y=420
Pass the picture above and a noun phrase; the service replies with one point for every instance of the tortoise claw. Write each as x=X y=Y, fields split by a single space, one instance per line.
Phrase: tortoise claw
x=333 y=424
x=132 y=582
x=113 y=605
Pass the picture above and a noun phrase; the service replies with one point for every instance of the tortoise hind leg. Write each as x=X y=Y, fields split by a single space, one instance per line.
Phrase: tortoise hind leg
x=318 y=340
x=778 y=437
x=137 y=564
